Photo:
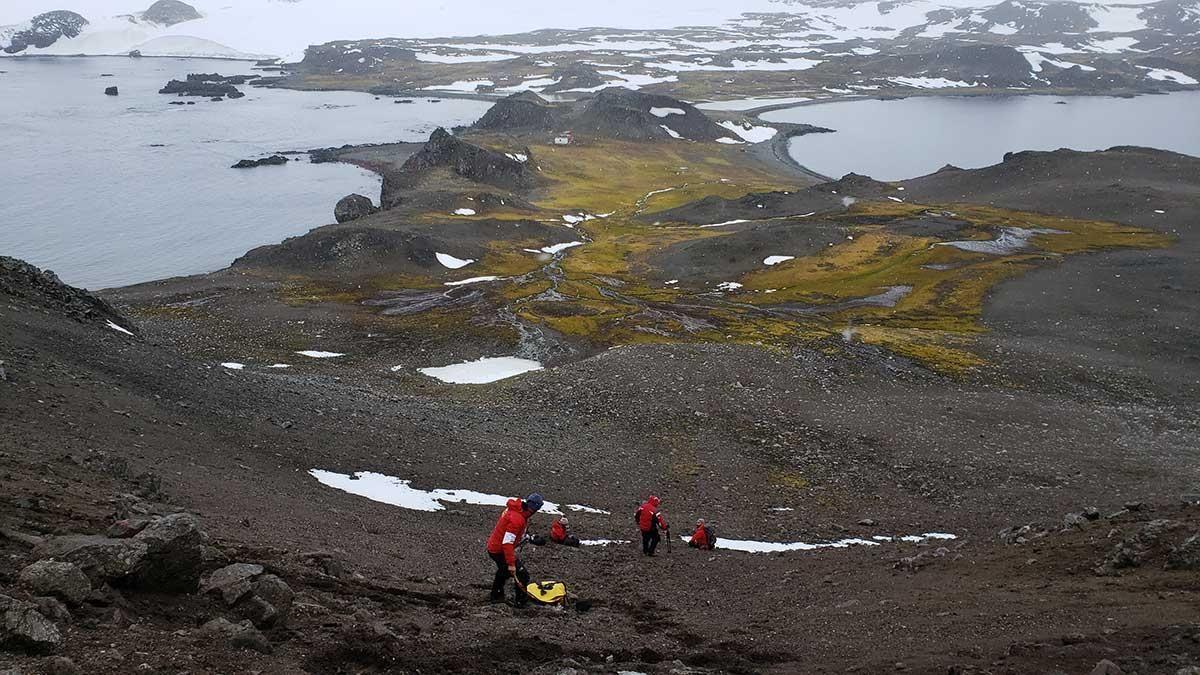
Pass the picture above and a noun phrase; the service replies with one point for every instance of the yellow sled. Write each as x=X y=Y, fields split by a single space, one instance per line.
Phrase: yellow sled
x=547 y=592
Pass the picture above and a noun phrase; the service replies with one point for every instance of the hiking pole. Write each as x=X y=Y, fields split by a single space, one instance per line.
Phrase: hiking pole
x=668 y=530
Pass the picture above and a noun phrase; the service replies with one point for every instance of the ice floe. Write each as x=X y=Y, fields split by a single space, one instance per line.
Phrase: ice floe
x=233 y=365
x=776 y=259
x=472 y=280
x=316 y=354
x=749 y=132
x=482 y=371
x=464 y=212
x=119 y=329
x=451 y=262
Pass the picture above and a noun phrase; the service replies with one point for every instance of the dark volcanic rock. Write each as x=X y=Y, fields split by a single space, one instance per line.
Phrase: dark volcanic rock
x=353 y=207
x=101 y=558
x=201 y=88
x=174 y=554
x=352 y=58
x=60 y=579
x=218 y=78
x=21 y=281
x=465 y=159
x=111 y=91
x=523 y=110
x=22 y=626
x=170 y=12
x=624 y=113
x=273 y=160
x=46 y=29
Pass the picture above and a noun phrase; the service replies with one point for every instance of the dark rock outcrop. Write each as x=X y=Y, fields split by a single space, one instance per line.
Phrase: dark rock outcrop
x=24 y=627
x=353 y=207
x=465 y=159
x=174 y=554
x=46 y=29
x=25 y=283
x=111 y=91
x=273 y=160
x=524 y=110
x=263 y=599
x=170 y=12
x=218 y=78
x=201 y=88
x=239 y=635
x=353 y=57
x=59 y=579
x=627 y=114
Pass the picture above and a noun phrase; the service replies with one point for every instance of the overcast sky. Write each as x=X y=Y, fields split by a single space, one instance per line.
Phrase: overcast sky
x=451 y=16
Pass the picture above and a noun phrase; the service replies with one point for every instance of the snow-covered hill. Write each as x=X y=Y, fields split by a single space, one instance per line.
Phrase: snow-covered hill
x=284 y=28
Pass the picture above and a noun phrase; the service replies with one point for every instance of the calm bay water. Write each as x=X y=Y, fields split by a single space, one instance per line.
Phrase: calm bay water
x=905 y=138
x=108 y=191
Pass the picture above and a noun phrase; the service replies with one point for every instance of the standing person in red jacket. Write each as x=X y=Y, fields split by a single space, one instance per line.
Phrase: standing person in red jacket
x=649 y=519
x=501 y=547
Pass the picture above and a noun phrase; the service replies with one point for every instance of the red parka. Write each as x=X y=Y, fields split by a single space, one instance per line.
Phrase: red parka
x=648 y=516
x=558 y=532
x=700 y=538
x=509 y=531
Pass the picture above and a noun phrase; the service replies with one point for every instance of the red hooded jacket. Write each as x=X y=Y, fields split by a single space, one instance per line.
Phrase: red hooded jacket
x=648 y=515
x=700 y=538
x=558 y=532
x=509 y=531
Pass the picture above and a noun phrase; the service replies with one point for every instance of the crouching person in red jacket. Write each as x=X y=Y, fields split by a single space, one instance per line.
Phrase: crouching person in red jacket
x=703 y=538
x=501 y=547
x=559 y=533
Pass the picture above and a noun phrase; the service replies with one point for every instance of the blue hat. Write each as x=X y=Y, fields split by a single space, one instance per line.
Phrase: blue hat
x=534 y=502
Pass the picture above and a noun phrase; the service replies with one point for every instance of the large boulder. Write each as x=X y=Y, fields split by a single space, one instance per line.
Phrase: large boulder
x=352 y=207
x=269 y=602
x=60 y=579
x=239 y=635
x=1185 y=556
x=174 y=553
x=99 y=557
x=232 y=581
x=23 y=627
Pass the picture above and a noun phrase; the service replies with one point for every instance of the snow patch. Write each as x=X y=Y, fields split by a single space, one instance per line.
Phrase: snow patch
x=472 y=280
x=398 y=492
x=316 y=354
x=776 y=259
x=482 y=371
x=664 y=112
x=119 y=329
x=728 y=286
x=749 y=132
x=451 y=262
x=233 y=365
x=464 y=212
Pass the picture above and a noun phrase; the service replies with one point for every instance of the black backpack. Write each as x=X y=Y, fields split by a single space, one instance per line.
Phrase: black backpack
x=712 y=536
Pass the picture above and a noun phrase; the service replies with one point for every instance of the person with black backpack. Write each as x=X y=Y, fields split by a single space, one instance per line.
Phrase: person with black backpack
x=649 y=519
x=704 y=538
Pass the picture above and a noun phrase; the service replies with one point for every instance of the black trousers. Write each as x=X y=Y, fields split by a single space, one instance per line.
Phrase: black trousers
x=650 y=542
x=502 y=577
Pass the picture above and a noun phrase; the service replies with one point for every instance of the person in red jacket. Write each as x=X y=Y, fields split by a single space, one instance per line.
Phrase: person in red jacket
x=501 y=546
x=649 y=519
x=703 y=538
x=559 y=533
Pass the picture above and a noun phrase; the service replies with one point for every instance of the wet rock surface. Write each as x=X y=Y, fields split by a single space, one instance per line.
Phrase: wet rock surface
x=353 y=207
